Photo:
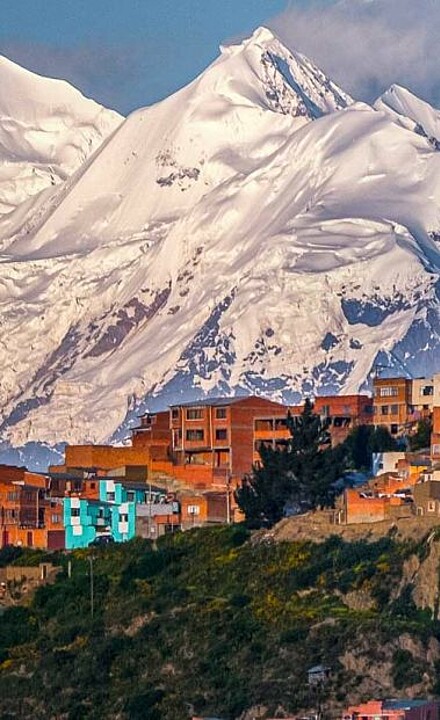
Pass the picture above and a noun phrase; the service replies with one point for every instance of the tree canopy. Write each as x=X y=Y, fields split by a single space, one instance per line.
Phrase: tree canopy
x=365 y=440
x=300 y=475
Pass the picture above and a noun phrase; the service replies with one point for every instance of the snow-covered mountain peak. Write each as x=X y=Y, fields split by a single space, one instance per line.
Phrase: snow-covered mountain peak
x=26 y=95
x=47 y=130
x=412 y=112
x=293 y=84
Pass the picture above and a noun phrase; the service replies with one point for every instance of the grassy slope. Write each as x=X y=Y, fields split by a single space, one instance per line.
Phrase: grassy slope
x=213 y=623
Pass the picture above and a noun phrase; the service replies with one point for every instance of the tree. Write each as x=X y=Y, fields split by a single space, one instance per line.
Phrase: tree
x=422 y=437
x=365 y=440
x=302 y=474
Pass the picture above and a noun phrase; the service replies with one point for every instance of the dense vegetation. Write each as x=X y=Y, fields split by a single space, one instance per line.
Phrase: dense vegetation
x=210 y=622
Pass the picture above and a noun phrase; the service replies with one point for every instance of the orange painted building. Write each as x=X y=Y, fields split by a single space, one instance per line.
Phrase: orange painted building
x=392 y=401
x=104 y=457
x=435 y=437
x=203 y=509
x=28 y=516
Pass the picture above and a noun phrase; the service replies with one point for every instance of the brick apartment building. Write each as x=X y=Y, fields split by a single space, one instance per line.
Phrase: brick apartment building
x=208 y=443
x=392 y=401
x=226 y=434
x=399 y=403
x=28 y=516
x=344 y=412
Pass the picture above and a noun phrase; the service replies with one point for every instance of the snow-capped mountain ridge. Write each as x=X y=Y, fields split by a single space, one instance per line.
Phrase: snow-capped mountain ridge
x=412 y=112
x=258 y=231
x=47 y=130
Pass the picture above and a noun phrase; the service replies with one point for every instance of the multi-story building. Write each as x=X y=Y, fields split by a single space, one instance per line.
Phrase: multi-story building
x=225 y=435
x=28 y=516
x=392 y=403
x=112 y=514
x=423 y=394
x=343 y=413
x=212 y=443
x=400 y=403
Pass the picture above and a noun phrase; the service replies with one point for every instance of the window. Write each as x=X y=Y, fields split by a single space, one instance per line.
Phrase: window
x=325 y=410
x=263 y=424
x=394 y=429
x=110 y=496
x=427 y=390
x=123 y=517
x=384 y=409
x=175 y=413
x=55 y=519
x=394 y=409
x=388 y=391
x=431 y=505
x=130 y=496
x=436 y=449
x=193 y=509
x=92 y=486
x=74 y=512
x=221 y=434
x=194 y=435
x=220 y=413
x=13 y=496
x=194 y=414
x=280 y=423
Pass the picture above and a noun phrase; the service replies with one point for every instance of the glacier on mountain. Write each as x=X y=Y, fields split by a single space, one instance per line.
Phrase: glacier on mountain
x=258 y=231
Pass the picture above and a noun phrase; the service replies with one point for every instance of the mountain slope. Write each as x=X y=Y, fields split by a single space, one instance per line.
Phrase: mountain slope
x=47 y=130
x=252 y=614
x=256 y=232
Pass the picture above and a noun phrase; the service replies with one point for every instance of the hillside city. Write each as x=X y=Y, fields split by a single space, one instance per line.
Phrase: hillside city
x=183 y=465
x=181 y=471
x=220 y=393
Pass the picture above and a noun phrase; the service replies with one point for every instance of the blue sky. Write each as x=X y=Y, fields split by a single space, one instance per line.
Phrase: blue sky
x=126 y=53
x=130 y=53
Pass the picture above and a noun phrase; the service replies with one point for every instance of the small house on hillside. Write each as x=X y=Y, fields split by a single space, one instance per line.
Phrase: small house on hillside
x=318 y=675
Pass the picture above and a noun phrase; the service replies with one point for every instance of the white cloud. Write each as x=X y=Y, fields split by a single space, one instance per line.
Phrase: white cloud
x=366 y=45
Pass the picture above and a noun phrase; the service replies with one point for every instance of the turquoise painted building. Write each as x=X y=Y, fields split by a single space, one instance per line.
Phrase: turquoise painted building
x=113 y=514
